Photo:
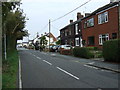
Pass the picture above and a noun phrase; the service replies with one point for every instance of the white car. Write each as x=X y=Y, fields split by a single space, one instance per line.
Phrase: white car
x=66 y=47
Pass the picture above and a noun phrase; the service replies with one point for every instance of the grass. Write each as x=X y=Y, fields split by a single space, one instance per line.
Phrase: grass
x=10 y=69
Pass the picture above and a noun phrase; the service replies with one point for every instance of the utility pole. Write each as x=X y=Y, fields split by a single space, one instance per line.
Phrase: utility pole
x=49 y=33
x=119 y=20
x=0 y=45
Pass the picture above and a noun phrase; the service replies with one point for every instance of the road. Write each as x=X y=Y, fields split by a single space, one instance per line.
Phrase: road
x=50 y=70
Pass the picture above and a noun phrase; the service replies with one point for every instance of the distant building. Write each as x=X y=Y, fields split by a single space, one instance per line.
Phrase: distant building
x=71 y=34
x=53 y=39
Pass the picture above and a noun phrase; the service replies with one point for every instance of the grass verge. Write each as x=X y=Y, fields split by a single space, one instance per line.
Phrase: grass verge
x=9 y=70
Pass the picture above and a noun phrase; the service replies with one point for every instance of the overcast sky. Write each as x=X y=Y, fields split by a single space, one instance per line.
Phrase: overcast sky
x=40 y=11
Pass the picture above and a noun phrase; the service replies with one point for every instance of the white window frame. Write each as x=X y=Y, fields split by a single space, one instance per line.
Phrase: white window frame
x=77 y=42
x=76 y=28
x=100 y=17
x=101 y=38
x=65 y=33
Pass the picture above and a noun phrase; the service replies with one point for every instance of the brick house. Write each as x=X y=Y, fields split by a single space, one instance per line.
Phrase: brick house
x=101 y=25
x=71 y=34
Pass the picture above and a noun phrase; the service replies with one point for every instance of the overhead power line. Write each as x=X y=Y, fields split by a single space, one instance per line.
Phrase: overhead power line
x=64 y=15
x=44 y=27
x=71 y=11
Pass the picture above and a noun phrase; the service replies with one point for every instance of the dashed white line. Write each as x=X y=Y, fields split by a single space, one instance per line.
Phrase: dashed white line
x=47 y=62
x=68 y=73
x=38 y=57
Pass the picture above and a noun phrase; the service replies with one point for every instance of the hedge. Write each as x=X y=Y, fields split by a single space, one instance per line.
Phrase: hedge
x=111 y=50
x=82 y=52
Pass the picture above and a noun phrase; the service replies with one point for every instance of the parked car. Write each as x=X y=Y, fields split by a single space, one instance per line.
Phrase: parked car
x=55 y=48
x=64 y=47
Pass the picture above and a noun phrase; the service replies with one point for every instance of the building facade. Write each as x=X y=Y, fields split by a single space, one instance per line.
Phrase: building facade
x=71 y=34
x=93 y=29
x=100 y=26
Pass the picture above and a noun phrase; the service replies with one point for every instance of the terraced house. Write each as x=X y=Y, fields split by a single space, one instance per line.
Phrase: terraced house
x=71 y=34
x=95 y=28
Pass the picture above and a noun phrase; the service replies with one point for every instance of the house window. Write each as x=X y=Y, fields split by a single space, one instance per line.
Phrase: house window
x=91 y=40
x=65 y=33
x=85 y=24
x=103 y=38
x=76 y=41
x=114 y=35
x=103 y=18
x=66 y=42
x=69 y=32
x=90 y=22
x=76 y=28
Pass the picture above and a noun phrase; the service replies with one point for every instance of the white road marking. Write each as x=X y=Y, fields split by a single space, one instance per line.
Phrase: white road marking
x=38 y=57
x=91 y=63
x=90 y=66
x=20 y=77
x=68 y=73
x=47 y=62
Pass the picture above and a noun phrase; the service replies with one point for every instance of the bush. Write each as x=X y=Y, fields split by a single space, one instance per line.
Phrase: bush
x=111 y=50
x=92 y=48
x=82 y=52
x=66 y=52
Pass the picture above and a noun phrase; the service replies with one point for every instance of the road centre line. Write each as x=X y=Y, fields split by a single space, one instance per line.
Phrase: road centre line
x=38 y=57
x=47 y=62
x=68 y=73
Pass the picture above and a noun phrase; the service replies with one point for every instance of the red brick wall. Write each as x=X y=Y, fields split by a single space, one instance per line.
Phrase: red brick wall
x=106 y=28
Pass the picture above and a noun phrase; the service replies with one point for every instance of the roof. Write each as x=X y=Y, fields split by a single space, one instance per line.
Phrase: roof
x=93 y=13
x=101 y=9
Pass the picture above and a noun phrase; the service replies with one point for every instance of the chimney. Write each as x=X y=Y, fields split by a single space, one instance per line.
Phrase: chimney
x=87 y=14
x=79 y=15
x=71 y=21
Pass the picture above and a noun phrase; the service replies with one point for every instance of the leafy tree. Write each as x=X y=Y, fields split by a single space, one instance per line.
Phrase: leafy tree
x=58 y=42
x=13 y=23
x=43 y=42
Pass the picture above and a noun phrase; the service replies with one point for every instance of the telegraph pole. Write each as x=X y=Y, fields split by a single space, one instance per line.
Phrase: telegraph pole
x=49 y=33
x=0 y=45
x=119 y=20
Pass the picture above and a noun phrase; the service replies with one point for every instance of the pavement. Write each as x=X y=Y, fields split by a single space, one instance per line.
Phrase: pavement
x=53 y=70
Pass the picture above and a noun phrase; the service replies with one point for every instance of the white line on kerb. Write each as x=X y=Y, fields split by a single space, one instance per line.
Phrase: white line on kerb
x=47 y=62
x=68 y=73
x=20 y=77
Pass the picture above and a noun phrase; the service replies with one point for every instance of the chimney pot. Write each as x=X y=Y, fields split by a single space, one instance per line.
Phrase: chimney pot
x=71 y=21
x=79 y=15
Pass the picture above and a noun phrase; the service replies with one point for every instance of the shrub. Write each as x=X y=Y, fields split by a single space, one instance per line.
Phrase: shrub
x=92 y=48
x=82 y=52
x=111 y=50
x=66 y=52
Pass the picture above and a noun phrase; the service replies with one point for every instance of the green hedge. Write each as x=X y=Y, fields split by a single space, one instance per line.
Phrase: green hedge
x=92 y=48
x=111 y=50
x=82 y=52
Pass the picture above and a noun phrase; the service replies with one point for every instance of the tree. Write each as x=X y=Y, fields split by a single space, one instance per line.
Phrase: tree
x=58 y=42
x=43 y=42
x=13 y=23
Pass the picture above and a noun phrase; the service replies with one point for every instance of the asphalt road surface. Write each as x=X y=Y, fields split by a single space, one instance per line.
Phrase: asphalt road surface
x=50 y=70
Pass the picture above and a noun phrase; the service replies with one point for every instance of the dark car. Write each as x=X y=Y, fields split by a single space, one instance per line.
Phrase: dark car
x=55 y=48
